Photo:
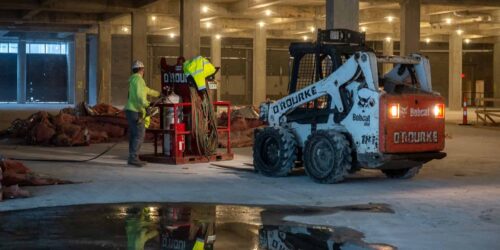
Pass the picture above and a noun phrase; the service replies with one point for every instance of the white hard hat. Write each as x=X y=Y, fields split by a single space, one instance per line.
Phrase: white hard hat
x=137 y=64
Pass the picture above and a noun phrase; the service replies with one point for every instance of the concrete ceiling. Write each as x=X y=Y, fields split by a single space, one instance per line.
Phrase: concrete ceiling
x=288 y=19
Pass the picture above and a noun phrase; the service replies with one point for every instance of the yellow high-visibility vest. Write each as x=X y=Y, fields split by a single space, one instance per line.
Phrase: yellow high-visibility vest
x=199 y=68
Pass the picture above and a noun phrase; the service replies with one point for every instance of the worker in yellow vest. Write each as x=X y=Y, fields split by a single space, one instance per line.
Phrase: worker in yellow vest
x=135 y=110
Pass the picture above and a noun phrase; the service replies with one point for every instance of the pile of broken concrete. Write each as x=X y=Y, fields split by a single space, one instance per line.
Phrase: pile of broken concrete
x=14 y=174
x=82 y=125
x=244 y=120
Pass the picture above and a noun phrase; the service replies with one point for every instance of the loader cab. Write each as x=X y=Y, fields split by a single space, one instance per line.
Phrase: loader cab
x=313 y=61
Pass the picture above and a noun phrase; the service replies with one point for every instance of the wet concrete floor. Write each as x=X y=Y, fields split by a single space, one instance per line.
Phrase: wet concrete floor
x=179 y=226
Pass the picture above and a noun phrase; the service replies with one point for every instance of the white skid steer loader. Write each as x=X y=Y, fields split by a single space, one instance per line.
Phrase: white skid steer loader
x=341 y=116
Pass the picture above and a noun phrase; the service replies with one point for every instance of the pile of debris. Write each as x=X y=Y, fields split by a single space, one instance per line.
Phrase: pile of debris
x=14 y=174
x=79 y=126
x=244 y=120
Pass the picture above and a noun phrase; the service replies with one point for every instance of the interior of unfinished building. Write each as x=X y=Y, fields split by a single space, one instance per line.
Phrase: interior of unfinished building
x=264 y=124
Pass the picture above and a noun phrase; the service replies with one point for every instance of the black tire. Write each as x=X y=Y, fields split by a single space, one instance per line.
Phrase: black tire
x=403 y=173
x=327 y=156
x=274 y=151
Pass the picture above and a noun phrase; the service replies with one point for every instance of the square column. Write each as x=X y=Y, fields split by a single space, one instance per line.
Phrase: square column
x=409 y=27
x=104 y=63
x=80 y=53
x=21 y=71
x=190 y=28
x=496 y=69
x=387 y=50
x=455 y=72
x=139 y=36
x=259 y=66
x=215 y=54
x=342 y=14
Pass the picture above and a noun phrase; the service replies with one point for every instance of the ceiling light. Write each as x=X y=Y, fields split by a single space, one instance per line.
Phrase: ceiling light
x=448 y=20
x=305 y=38
x=261 y=24
x=217 y=36
x=390 y=18
x=388 y=39
x=460 y=32
x=427 y=40
x=363 y=29
x=312 y=29
x=208 y=25
x=125 y=29
x=153 y=18
x=172 y=35
x=467 y=40
x=268 y=12
x=204 y=9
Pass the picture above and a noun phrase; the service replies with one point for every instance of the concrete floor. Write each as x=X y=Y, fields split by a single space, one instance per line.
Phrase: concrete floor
x=452 y=204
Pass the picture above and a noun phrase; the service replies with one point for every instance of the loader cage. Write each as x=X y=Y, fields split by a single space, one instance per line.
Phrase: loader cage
x=312 y=62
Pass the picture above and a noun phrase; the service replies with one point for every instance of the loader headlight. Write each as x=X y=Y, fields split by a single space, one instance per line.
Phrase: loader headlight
x=438 y=110
x=394 y=111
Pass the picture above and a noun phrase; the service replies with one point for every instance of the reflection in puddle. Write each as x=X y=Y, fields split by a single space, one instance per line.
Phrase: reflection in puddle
x=178 y=227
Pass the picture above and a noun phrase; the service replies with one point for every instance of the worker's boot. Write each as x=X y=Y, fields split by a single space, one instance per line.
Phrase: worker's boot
x=137 y=163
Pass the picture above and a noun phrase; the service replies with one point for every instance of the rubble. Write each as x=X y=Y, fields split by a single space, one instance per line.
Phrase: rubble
x=77 y=126
x=14 y=174
x=244 y=120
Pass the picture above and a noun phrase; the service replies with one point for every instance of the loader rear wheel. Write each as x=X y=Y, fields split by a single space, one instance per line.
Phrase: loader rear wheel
x=403 y=173
x=327 y=156
x=274 y=151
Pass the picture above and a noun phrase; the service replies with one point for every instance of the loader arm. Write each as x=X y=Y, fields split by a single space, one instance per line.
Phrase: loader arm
x=361 y=63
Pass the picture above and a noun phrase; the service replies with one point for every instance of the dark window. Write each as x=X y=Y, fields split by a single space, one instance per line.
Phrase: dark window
x=8 y=76
x=46 y=78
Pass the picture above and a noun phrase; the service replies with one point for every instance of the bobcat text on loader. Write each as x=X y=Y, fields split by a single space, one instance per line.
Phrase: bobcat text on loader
x=341 y=116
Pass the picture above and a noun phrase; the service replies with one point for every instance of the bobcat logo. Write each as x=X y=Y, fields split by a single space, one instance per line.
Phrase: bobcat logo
x=403 y=111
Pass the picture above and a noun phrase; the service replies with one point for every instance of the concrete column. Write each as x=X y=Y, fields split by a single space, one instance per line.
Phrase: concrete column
x=104 y=63
x=80 y=67
x=215 y=54
x=388 y=50
x=70 y=58
x=409 y=27
x=139 y=36
x=259 y=66
x=342 y=14
x=190 y=28
x=92 y=72
x=21 y=71
x=496 y=69
x=455 y=72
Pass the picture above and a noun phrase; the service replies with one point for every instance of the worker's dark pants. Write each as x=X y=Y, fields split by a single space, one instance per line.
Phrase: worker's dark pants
x=136 y=134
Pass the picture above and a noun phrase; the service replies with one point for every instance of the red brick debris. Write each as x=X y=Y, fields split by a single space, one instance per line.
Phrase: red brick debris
x=84 y=125
x=14 y=174
x=244 y=120
x=79 y=126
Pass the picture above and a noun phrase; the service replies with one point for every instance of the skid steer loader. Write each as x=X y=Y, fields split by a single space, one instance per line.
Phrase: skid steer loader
x=341 y=115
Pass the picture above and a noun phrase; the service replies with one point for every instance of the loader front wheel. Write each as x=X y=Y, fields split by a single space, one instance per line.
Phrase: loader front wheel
x=274 y=151
x=327 y=156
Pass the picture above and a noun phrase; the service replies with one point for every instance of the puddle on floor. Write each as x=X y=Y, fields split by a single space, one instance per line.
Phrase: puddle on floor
x=179 y=227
